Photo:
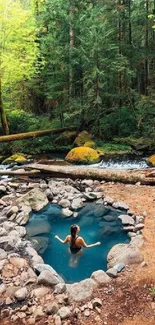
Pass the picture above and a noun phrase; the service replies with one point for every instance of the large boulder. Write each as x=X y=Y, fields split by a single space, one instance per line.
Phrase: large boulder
x=83 y=155
x=151 y=161
x=124 y=253
x=81 y=290
x=36 y=198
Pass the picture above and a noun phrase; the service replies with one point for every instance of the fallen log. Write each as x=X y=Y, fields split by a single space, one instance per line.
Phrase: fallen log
x=19 y=172
x=75 y=172
x=33 y=134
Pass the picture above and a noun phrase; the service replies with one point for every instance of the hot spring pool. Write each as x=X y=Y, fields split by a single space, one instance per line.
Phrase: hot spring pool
x=97 y=223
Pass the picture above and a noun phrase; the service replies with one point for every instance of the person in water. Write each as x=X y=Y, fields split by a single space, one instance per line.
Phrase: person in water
x=76 y=243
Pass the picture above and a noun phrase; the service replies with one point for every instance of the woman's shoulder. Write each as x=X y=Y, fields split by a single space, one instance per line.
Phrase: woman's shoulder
x=80 y=239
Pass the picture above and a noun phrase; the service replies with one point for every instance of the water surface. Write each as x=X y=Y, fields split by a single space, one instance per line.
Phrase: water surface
x=97 y=223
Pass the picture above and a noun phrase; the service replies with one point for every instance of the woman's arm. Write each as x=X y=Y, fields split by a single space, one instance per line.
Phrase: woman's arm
x=63 y=241
x=82 y=243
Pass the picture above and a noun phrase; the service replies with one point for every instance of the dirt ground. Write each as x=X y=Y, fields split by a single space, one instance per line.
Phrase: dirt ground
x=130 y=301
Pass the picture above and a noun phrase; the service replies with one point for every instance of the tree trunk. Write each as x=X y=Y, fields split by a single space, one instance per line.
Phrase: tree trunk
x=146 y=50
x=71 y=45
x=75 y=172
x=4 y=122
x=33 y=134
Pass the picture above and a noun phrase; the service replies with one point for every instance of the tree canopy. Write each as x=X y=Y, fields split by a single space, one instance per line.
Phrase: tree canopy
x=86 y=63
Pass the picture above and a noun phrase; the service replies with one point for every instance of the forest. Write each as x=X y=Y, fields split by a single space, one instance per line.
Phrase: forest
x=88 y=64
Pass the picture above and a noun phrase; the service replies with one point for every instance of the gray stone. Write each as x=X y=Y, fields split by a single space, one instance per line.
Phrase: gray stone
x=21 y=294
x=22 y=218
x=57 y=320
x=81 y=290
x=124 y=253
x=2 y=189
x=2 y=263
x=86 y=313
x=77 y=204
x=3 y=254
x=64 y=312
x=2 y=289
x=8 y=225
x=3 y=232
x=40 y=292
x=139 y=219
x=120 y=205
x=129 y=228
x=64 y=203
x=49 y=194
x=14 y=209
x=100 y=277
x=37 y=259
x=21 y=231
x=66 y=212
x=49 y=278
x=126 y=220
x=8 y=243
x=119 y=267
x=137 y=241
x=60 y=288
x=51 y=308
x=108 y=200
x=14 y=233
x=87 y=182
x=90 y=196
x=131 y=234
x=43 y=186
x=139 y=226
x=112 y=272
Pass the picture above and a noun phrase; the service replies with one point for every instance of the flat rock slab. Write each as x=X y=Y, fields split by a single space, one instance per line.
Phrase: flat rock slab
x=126 y=220
x=36 y=198
x=81 y=290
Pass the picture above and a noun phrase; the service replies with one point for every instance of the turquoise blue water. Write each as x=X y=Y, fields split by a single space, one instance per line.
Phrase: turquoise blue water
x=97 y=223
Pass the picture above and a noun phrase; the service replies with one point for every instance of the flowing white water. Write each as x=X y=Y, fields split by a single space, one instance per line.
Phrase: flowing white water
x=122 y=163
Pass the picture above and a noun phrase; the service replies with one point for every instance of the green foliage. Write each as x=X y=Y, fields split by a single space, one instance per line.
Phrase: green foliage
x=18 y=49
x=84 y=63
x=113 y=147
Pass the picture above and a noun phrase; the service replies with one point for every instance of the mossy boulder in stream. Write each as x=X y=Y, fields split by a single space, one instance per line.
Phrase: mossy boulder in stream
x=151 y=161
x=83 y=155
x=19 y=158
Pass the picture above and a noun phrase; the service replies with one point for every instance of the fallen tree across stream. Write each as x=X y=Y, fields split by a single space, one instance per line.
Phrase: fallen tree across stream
x=74 y=172
x=34 y=134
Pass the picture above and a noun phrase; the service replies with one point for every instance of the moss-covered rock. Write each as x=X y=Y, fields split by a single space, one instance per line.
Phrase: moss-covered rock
x=82 y=138
x=19 y=158
x=90 y=144
x=151 y=161
x=65 y=139
x=83 y=155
